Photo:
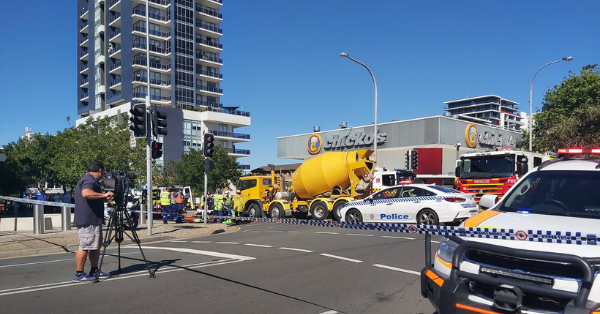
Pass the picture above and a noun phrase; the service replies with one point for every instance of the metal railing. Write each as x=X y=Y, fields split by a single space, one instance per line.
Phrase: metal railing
x=209 y=27
x=209 y=89
x=115 y=33
x=84 y=39
x=208 y=58
x=114 y=17
x=209 y=43
x=84 y=95
x=230 y=134
x=209 y=12
x=116 y=65
x=243 y=167
x=238 y=151
x=207 y=73
x=115 y=49
x=112 y=2
x=151 y=15
x=84 y=81
x=208 y=103
x=115 y=82
x=161 y=2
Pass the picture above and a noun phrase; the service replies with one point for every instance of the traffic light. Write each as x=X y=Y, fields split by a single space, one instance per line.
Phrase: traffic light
x=159 y=122
x=156 y=150
x=414 y=159
x=407 y=159
x=208 y=165
x=138 y=120
x=209 y=145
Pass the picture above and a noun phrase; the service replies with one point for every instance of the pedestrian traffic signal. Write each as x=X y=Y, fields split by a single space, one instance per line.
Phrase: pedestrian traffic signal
x=138 y=120
x=208 y=165
x=209 y=145
x=156 y=150
x=407 y=160
x=414 y=159
x=159 y=122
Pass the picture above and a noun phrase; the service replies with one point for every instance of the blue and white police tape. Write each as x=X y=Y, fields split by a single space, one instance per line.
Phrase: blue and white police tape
x=35 y=202
x=562 y=237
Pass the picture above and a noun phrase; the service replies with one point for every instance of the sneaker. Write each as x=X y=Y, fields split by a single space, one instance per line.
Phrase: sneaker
x=83 y=278
x=103 y=275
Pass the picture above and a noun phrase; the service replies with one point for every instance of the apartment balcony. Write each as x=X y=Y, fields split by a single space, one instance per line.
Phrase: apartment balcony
x=84 y=83
x=209 y=59
x=219 y=2
x=243 y=167
x=139 y=15
x=160 y=99
x=83 y=56
x=84 y=41
x=230 y=135
x=164 y=3
x=204 y=73
x=83 y=69
x=234 y=152
x=210 y=104
x=115 y=20
x=156 y=49
x=114 y=5
x=140 y=80
x=212 y=44
x=115 y=69
x=209 y=28
x=84 y=28
x=116 y=84
x=84 y=15
x=229 y=116
x=116 y=36
x=210 y=89
x=85 y=97
x=115 y=52
x=141 y=31
x=166 y=68
x=210 y=13
x=114 y=97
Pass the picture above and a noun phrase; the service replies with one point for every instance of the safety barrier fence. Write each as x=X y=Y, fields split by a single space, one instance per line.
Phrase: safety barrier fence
x=562 y=237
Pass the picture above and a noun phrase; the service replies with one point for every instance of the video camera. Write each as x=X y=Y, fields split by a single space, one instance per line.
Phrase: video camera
x=119 y=183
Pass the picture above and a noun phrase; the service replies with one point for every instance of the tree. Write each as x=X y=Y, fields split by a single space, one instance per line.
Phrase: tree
x=225 y=170
x=570 y=113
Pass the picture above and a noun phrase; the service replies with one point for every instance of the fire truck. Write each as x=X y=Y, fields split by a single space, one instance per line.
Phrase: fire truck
x=493 y=172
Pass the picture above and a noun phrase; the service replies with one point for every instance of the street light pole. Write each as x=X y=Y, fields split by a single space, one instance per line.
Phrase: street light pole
x=530 y=120
x=345 y=55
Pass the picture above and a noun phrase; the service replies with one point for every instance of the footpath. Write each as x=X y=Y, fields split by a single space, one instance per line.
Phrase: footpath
x=15 y=244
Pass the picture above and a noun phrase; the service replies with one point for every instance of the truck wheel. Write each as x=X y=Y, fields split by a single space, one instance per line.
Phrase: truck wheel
x=427 y=217
x=319 y=210
x=276 y=211
x=353 y=216
x=254 y=211
x=337 y=210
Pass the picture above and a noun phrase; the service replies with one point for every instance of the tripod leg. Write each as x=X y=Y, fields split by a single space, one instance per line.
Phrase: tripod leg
x=107 y=240
x=134 y=238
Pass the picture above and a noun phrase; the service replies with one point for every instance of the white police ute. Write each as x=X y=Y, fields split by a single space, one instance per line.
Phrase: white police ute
x=412 y=203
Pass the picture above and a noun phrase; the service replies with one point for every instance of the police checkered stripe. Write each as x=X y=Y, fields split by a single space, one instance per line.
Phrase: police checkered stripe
x=393 y=200
x=563 y=237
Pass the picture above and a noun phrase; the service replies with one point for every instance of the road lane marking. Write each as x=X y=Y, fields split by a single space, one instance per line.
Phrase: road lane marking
x=325 y=232
x=225 y=242
x=55 y=261
x=329 y=312
x=342 y=258
x=360 y=234
x=201 y=241
x=293 y=249
x=274 y=231
x=258 y=245
x=166 y=269
x=202 y=252
x=392 y=237
x=398 y=269
x=178 y=241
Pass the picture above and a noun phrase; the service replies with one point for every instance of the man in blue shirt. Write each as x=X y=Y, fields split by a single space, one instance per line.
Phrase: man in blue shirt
x=89 y=215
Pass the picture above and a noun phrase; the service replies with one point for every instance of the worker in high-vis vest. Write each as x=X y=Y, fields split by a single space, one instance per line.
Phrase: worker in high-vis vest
x=179 y=199
x=238 y=205
x=218 y=205
x=199 y=210
x=165 y=205
x=227 y=202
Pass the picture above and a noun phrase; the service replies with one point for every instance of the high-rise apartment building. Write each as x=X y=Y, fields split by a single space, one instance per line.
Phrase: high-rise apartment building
x=489 y=109
x=168 y=49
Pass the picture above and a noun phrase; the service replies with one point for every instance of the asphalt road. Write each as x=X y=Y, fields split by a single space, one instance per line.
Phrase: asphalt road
x=262 y=268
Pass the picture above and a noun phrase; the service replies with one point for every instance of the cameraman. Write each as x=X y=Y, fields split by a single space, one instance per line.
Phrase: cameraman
x=89 y=214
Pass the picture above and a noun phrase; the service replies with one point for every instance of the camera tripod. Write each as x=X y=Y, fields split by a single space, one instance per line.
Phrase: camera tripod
x=115 y=231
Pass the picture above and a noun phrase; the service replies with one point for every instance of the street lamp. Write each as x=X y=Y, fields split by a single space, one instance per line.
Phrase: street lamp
x=530 y=120
x=345 y=55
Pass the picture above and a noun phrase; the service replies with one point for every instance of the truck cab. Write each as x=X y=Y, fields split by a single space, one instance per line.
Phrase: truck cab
x=535 y=250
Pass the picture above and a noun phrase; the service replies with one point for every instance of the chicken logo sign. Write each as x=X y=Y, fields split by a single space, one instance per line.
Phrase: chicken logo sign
x=314 y=144
x=471 y=135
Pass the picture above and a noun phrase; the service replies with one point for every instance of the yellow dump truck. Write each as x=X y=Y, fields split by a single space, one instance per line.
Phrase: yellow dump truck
x=321 y=185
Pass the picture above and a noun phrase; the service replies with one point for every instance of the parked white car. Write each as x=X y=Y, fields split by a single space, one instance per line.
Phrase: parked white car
x=412 y=203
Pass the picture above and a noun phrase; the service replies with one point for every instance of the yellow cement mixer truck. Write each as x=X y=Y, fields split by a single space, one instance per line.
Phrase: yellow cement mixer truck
x=321 y=185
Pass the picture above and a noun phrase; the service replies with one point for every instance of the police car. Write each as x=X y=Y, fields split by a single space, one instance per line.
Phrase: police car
x=547 y=262
x=412 y=203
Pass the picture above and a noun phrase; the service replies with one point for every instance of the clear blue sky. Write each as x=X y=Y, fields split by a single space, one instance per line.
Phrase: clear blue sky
x=282 y=64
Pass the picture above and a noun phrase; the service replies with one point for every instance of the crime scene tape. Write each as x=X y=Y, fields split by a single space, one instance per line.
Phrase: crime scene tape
x=562 y=237
x=35 y=202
